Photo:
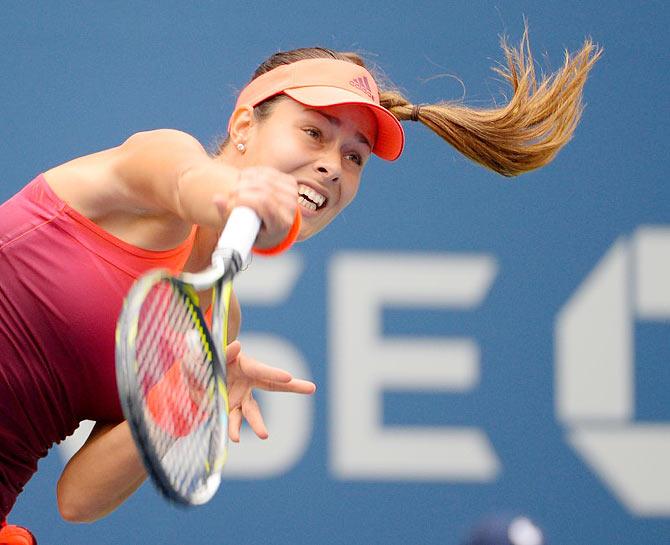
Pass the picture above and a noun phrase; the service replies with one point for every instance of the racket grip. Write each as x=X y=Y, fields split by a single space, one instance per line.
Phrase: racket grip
x=239 y=233
x=285 y=244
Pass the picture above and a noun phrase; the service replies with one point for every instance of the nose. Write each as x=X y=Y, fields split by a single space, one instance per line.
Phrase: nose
x=329 y=166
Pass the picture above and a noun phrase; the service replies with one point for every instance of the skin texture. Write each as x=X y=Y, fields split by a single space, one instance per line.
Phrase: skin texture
x=151 y=190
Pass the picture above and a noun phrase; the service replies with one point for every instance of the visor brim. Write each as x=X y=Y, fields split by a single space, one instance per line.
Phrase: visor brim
x=390 y=135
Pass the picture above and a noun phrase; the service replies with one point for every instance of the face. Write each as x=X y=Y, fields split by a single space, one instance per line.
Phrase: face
x=325 y=149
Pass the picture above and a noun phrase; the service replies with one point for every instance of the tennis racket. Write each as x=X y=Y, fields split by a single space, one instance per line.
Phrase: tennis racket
x=171 y=368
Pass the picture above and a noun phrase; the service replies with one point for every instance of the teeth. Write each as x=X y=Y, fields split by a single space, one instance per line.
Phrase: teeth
x=311 y=194
x=307 y=204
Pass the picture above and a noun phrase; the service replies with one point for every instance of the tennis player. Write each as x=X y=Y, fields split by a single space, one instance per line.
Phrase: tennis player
x=75 y=238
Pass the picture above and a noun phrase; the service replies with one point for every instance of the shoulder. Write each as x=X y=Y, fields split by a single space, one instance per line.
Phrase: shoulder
x=160 y=153
x=156 y=159
x=139 y=155
x=171 y=138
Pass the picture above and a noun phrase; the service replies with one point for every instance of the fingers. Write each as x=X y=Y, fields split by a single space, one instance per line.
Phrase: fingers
x=250 y=410
x=235 y=423
x=295 y=386
x=260 y=375
x=272 y=194
x=244 y=374
x=257 y=371
x=233 y=351
x=220 y=202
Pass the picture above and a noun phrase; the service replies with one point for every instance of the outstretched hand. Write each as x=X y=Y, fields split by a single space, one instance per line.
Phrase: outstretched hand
x=243 y=375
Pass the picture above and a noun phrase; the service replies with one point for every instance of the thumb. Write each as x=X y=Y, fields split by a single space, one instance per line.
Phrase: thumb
x=219 y=201
x=233 y=351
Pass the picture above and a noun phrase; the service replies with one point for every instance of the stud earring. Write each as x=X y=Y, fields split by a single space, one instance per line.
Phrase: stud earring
x=241 y=147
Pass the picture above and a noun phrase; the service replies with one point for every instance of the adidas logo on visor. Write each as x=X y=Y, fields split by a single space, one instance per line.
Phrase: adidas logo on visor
x=363 y=85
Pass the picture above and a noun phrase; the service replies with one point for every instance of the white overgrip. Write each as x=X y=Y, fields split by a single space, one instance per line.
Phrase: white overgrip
x=239 y=233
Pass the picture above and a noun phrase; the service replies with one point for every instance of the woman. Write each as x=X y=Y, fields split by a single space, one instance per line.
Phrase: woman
x=74 y=239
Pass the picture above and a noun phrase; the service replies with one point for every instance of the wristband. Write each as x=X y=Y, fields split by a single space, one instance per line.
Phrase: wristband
x=287 y=242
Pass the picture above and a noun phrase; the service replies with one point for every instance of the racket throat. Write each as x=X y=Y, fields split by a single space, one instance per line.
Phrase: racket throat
x=227 y=259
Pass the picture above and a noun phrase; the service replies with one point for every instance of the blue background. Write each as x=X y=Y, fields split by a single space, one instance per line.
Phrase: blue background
x=79 y=77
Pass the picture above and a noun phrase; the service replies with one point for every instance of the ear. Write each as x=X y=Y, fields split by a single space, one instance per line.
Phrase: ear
x=240 y=124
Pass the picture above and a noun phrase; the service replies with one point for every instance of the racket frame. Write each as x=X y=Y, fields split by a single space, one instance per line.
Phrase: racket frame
x=126 y=366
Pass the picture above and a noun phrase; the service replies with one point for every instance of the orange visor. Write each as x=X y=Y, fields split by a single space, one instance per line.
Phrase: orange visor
x=329 y=82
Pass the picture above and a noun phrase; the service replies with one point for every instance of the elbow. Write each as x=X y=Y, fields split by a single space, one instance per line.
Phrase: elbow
x=73 y=507
x=71 y=515
x=73 y=512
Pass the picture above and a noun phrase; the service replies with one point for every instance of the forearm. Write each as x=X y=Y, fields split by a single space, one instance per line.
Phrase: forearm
x=169 y=171
x=197 y=188
x=101 y=475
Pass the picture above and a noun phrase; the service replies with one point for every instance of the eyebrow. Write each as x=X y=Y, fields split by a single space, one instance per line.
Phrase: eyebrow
x=336 y=121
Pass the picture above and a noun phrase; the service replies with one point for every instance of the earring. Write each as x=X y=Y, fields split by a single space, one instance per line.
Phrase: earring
x=241 y=147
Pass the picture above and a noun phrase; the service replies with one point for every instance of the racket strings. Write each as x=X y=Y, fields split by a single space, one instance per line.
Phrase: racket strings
x=176 y=375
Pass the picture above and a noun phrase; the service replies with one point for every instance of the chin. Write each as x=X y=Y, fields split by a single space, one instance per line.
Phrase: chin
x=304 y=235
x=308 y=230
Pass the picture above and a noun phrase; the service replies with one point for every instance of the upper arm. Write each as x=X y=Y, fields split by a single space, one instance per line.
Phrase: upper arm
x=234 y=318
x=149 y=166
x=139 y=177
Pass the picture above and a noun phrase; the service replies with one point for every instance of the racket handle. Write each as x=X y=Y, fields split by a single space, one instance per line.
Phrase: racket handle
x=239 y=234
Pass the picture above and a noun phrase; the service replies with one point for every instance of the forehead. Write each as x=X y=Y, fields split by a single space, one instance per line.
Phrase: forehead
x=353 y=117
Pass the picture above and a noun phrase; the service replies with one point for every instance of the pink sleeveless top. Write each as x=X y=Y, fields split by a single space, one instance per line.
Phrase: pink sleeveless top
x=62 y=283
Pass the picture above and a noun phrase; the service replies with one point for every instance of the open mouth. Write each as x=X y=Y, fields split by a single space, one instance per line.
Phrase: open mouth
x=310 y=198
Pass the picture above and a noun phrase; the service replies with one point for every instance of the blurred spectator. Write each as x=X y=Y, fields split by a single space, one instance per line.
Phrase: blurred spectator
x=505 y=529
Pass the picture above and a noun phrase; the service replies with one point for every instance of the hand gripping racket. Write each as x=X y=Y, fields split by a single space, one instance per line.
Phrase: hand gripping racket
x=171 y=368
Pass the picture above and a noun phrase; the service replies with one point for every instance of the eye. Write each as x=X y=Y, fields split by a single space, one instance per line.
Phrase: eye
x=313 y=133
x=355 y=157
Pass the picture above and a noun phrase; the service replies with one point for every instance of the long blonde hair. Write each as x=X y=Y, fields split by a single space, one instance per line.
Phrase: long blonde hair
x=525 y=134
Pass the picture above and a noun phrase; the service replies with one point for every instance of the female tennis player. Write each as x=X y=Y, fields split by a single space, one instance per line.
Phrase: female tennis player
x=75 y=238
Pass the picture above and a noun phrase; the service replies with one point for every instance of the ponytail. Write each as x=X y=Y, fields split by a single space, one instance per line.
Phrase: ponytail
x=526 y=133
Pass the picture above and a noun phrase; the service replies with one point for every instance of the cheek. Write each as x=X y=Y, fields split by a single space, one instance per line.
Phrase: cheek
x=279 y=150
x=349 y=192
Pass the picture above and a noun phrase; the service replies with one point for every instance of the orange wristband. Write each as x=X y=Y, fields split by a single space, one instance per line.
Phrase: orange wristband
x=287 y=242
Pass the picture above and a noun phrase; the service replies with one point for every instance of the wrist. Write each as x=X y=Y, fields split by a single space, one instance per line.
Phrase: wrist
x=288 y=241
